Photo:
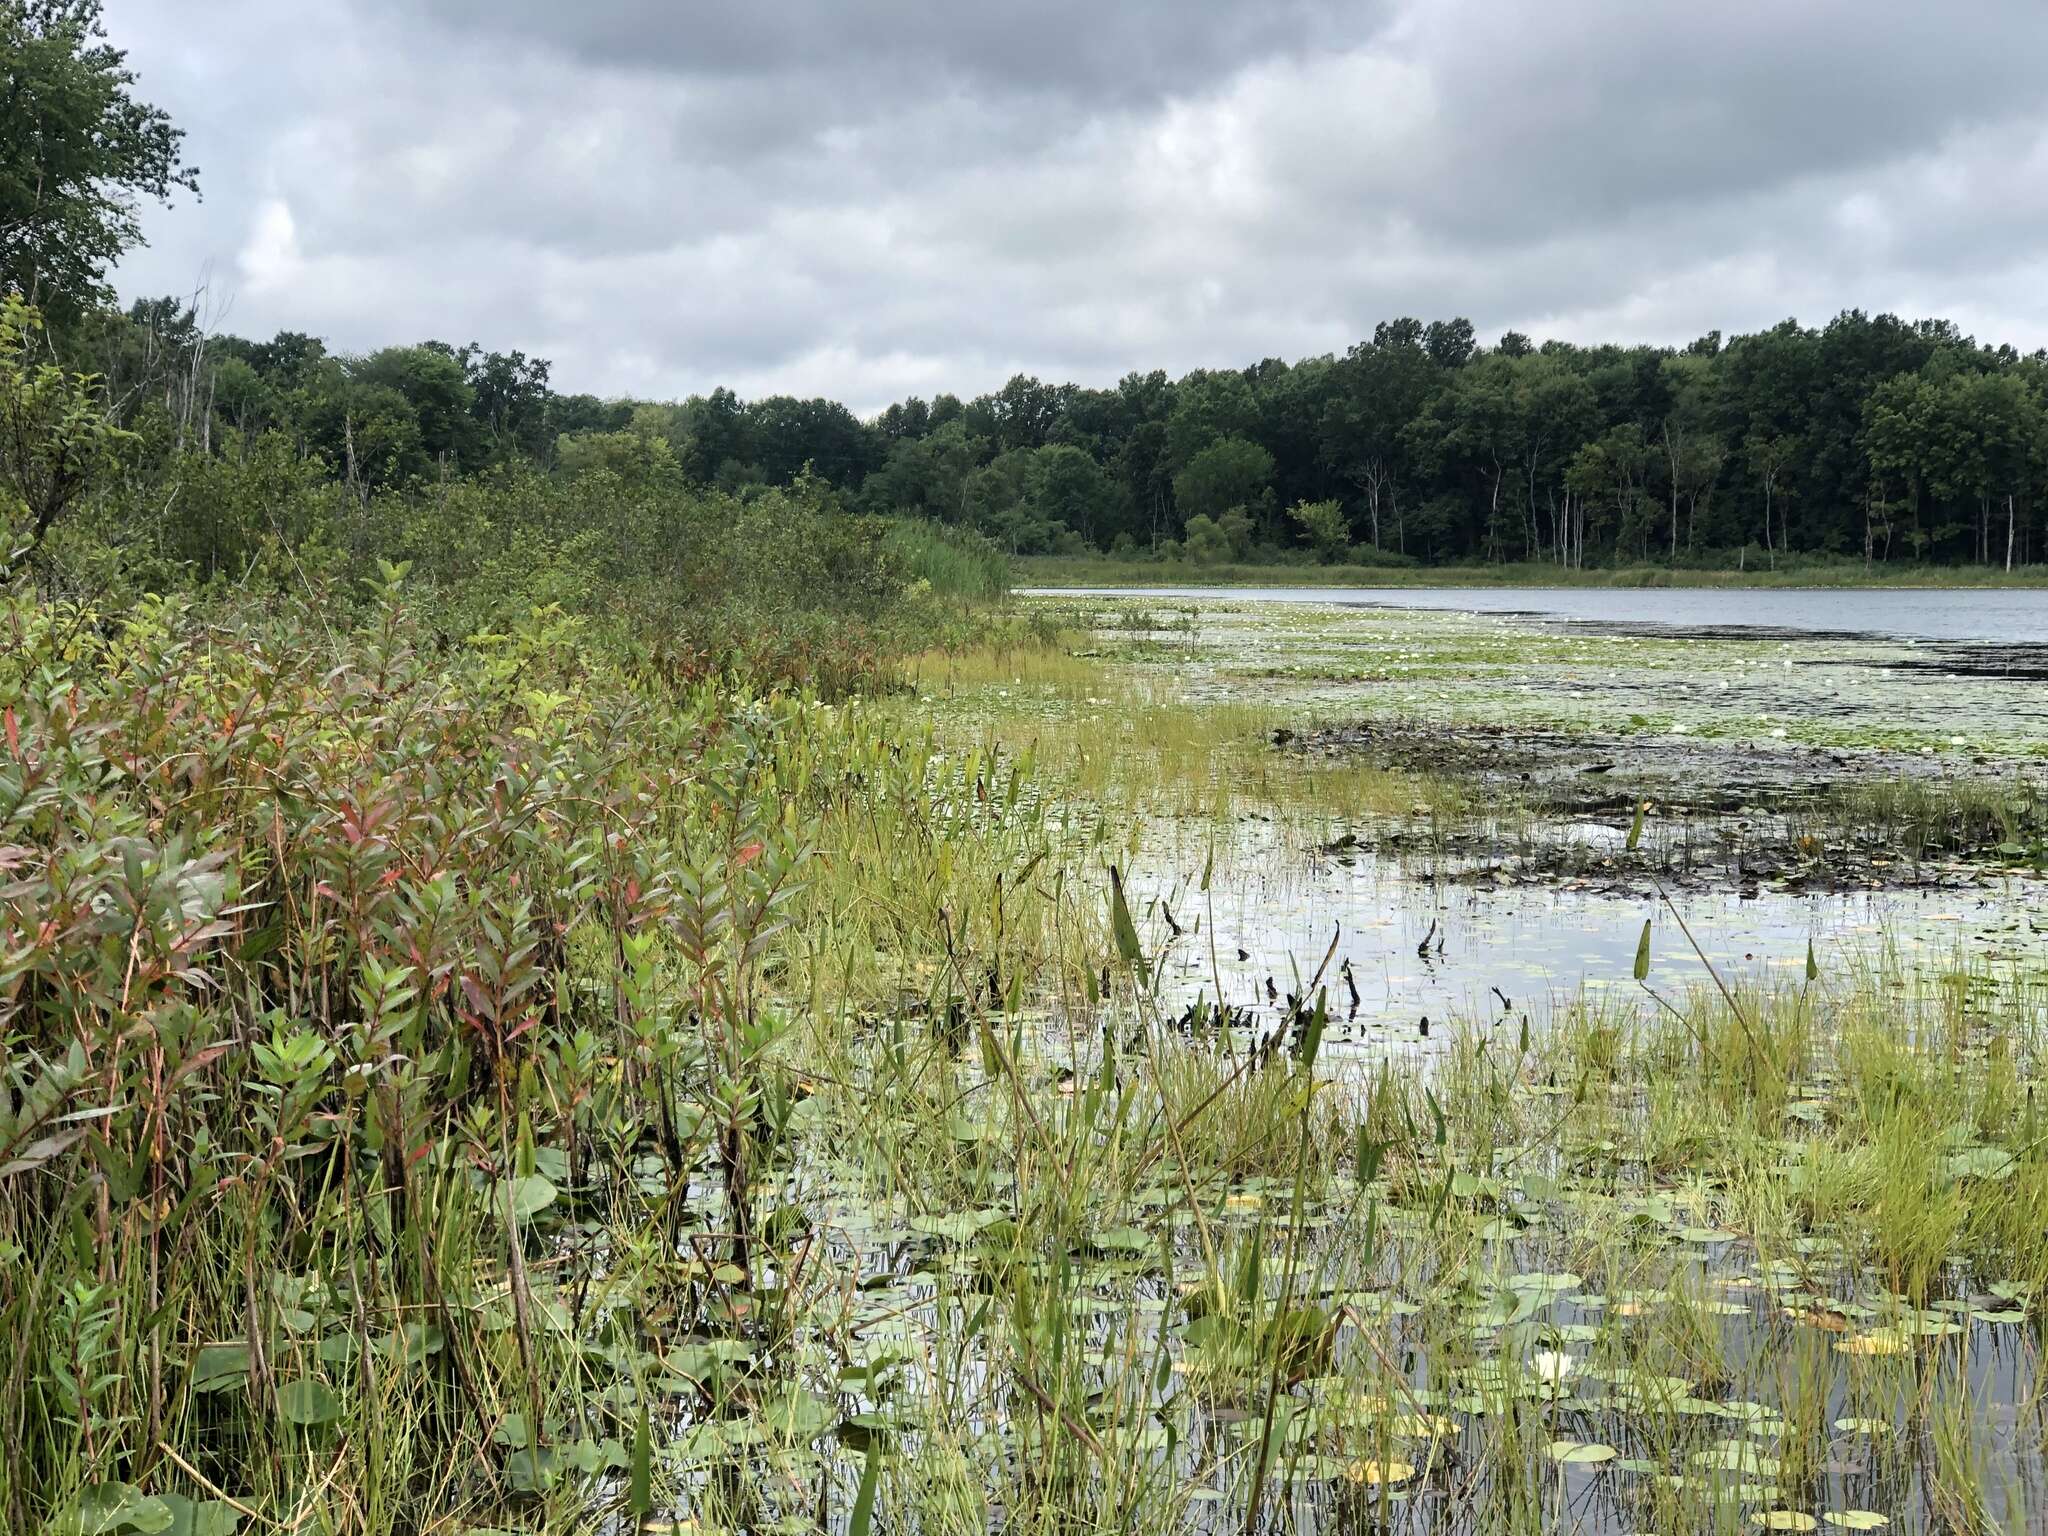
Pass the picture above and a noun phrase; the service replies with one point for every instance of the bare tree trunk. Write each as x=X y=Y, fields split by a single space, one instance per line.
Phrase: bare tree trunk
x=2008 y=532
x=1770 y=549
x=1493 y=516
x=1671 y=457
x=1371 y=477
x=1377 y=480
x=348 y=440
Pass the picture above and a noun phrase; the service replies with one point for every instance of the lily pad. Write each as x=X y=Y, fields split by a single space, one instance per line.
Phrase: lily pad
x=1575 y=1453
x=307 y=1401
x=531 y=1195
x=220 y=1366
x=1879 y=1341
x=1374 y=1474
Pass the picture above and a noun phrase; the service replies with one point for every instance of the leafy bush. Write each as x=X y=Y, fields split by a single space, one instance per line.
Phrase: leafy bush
x=1206 y=542
x=338 y=959
x=1325 y=527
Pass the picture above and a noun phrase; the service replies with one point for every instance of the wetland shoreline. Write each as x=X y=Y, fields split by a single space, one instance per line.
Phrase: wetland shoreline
x=1032 y=1096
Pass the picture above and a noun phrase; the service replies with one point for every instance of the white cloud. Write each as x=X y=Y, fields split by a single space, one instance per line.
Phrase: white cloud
x=861 y=199
x=271 y=262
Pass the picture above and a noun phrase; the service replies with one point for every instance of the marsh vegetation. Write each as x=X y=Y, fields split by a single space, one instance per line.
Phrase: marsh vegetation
x=511 y=1085
x=558 y=973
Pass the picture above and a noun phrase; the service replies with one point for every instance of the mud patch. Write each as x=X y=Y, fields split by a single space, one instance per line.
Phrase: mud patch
x=1558 y=805
x=2002 y=663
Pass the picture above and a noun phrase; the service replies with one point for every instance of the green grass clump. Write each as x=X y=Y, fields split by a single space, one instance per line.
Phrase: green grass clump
x=953 y=562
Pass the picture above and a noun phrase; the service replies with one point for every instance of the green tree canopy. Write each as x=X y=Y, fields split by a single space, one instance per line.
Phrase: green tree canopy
x=77 y=152
x=1229 y=475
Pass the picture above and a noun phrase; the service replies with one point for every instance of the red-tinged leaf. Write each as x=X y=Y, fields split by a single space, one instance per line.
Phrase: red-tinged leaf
x=418 y=1152
x=748 y=854
x=199 y=1062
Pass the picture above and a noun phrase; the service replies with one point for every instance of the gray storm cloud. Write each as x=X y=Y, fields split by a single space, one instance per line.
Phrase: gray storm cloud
x=863 y=200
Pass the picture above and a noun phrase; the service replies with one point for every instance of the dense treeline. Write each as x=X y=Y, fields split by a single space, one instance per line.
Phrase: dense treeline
x=1871 y=437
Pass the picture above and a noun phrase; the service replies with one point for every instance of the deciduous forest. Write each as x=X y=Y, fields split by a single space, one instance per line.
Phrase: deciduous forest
x=1869 y=437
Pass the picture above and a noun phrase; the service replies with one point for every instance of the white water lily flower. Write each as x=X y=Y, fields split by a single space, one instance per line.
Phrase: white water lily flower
x=1778 y=734
x=1957 y=741
x=1551 y=1367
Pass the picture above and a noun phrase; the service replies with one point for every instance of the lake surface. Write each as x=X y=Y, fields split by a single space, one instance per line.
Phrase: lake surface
x=1991 y=615
x=1421 y=954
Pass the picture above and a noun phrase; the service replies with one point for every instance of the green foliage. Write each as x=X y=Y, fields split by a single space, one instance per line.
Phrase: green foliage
x=776 y=587
x=1869 y=438
x=400 y=955
x=1208 y=543
x=1324 y=525
x=952 y=562
x=638 y=460
x=54 y=438
x=1230 y=475
x=76 y=152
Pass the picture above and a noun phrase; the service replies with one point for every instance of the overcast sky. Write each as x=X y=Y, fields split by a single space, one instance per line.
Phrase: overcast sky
x=872 y=198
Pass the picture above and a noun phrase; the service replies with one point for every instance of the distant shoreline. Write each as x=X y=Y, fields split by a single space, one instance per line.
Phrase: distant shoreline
x=1072 y=574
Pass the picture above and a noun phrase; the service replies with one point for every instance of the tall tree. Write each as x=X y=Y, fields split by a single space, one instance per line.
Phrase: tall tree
x=1380 y=388
x=1691 y=463
x=78 y=152
x=1230 y=475
x=1768 y=453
